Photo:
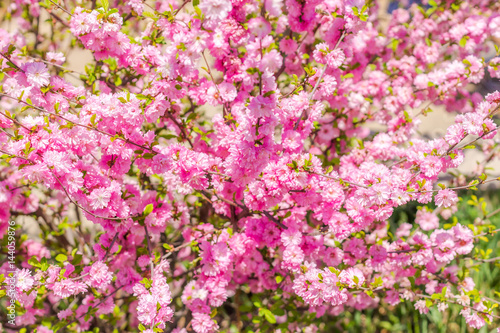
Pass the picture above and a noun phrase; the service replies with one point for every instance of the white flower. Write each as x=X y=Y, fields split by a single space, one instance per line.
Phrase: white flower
x=37 y=74
x=56 y=57
x=24 y=280
x=442 y=306
x=99 y=198
x=216 y=9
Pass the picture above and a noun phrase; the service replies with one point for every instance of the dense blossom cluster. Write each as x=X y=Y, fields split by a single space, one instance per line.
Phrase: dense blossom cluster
x=222 y=151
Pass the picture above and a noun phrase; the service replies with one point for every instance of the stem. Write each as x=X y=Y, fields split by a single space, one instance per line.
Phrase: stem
x=149 y=251
x=82 y=208
x=80 y=125
x=110 y=246
x=487 y=233
x=338 y=179
x=318 y=82
x=466 y=306
x=61 y=8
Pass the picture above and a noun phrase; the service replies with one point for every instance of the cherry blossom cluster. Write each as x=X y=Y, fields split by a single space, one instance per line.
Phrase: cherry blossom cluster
x=237 y=164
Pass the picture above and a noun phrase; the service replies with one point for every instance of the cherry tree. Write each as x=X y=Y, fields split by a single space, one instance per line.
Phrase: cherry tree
x=215 y=166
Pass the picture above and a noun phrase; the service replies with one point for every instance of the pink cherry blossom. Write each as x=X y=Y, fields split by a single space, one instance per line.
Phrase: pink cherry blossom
x=209 y=158
x=37 y=74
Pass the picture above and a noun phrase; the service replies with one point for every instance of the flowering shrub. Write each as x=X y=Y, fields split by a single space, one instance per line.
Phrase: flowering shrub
x=221 y=151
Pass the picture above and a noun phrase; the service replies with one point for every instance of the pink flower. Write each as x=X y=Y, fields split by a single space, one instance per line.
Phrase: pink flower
x=392 y=297
x=67 y=288
x=24 y=279
x=427 y=220
x=464 y=239
x=202 y=323
x=336 y=58
x=472 y=319
x=146 y=309
x=421 y=306
x=199 y=306
x=494 y=97
x=442 y=306
x=321 y=52
x=64 y=314
x=431 y=166
x=56 y=57
x=53 y=273
x=467 y=284
x=288 y=46
x=403 y=230
x=454 y=134
x=37 y=74
x=333 y=256
x=446 y=198
x=291 y=237
x=216 y=9
x=378 y=253
x=293 y=255
x=99 y=276
x=261 y=106
x=444 y=245
x=143 y=261
x=352 y=277
x=259 y=26
x=99 y=198
x=227 y=91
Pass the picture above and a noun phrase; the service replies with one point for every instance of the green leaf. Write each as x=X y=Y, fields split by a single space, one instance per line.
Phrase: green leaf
x=61 y=257
x=59 y=325
x=77 y=259
x=105 y=5
x=269 y=316
x=198 y=11
x=463 y=41
x=147 y=156
x=394 y=44
x=150 y=15
x=148 y=209
x=33 y=261
x=436 y=296
x=44 y=264
x=146 y=282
